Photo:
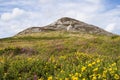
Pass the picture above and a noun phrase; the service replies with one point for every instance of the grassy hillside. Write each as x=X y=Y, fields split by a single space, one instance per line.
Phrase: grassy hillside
x=60 y=56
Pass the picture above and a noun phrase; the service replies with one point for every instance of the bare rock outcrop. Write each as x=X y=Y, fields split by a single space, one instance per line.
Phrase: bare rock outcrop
x=68 y=24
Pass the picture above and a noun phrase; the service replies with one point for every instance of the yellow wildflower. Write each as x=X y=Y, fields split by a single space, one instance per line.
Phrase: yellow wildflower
x=20 y=78
x=105 y=71
x=117 y=76
x=52 y=59
x=96 y=69
x=75 y=78
x=98 y=61
x=83 y=68
x=94 y=78
x=112 y=72
x=76 y=74
x=114 y=64
x=90 y=65
x=70 y=75
x=104 y=75
x=62 y=57
x=66 y=78
x=60 y=79
x=49 y=78
x=115 y=68
x=99 y=76
x=80 y=75
x=83 y=79
x=40 y=79
x=110 y=69
x=29 y=59
x=62 y=71
x=1 y=60
x=93 y=63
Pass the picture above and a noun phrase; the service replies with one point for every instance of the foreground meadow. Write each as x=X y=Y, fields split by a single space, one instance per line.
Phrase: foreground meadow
x=60 y=56
x=77 y=66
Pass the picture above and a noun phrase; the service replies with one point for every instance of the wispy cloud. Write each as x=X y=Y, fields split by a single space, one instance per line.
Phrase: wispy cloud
x=110 y=27
x=14 y=14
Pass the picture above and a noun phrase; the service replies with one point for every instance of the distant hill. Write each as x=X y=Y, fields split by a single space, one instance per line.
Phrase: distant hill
x=70 y=25
x=67 y=49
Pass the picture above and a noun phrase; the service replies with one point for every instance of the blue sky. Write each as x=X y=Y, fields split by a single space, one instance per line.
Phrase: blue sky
x=17 y=15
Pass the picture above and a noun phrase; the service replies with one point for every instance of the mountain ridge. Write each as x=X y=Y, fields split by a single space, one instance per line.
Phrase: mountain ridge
x=59 y=55
x=68 y=24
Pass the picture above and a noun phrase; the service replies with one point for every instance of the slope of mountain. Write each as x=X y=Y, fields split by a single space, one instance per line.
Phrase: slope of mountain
x=60 y=53
x=70 y=25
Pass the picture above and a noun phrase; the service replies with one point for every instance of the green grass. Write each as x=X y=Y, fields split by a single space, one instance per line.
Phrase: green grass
x=60 y=55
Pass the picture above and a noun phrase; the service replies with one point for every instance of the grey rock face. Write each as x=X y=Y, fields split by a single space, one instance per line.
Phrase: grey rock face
x=68 y=24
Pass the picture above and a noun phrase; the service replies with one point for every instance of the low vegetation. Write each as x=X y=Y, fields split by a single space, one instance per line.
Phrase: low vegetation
x=60 y=56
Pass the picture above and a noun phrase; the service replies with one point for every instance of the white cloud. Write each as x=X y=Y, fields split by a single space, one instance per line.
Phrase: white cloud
x=80 y=10
x=94 y=1
x=14 y=14
x=45 y=1
x=110 y=27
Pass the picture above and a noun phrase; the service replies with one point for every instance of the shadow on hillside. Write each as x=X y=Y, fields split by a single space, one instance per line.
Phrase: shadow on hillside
x=28 y=38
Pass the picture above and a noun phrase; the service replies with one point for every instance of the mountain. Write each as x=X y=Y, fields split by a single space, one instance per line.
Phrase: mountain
x=58 y=52
x=70 y=25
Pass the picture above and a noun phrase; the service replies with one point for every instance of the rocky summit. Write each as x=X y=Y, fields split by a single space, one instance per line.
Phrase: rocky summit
x=70 y=25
